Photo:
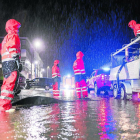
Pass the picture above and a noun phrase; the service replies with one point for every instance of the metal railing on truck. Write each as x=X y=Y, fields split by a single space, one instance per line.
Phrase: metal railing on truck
x=129 y=52
x=125 y=70
x=131 y=43
x=125 y=61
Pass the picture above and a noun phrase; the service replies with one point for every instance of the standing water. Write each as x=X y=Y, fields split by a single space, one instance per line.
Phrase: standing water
x=82 y=120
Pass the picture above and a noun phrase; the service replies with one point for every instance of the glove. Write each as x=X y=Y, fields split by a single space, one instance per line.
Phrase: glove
x=20 y=67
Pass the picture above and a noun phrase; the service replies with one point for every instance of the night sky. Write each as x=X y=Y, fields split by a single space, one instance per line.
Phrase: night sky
x=97 y=28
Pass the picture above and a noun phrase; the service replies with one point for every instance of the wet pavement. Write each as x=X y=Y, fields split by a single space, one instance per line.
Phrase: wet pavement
x=65 y=95
x=94 y=119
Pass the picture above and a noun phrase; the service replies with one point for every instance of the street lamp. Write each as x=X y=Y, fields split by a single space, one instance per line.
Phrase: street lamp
x=38 y=43
x=36 y=62
x=41 y=72
x=48 y=67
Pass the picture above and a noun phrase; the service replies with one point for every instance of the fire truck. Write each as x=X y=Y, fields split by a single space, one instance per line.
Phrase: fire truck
x=125 y=71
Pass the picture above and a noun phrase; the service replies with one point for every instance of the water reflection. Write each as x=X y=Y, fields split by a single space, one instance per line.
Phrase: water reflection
x=67 y=119
x=32 y=122
x=6 y=127
x=80 y=116
x=68 y=94
x=125 y=113
x=81 y=119
x=107 y=125
x=138 y=115
x=54 y=121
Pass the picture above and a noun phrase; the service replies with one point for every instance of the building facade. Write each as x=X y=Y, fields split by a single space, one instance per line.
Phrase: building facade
x=30 y=59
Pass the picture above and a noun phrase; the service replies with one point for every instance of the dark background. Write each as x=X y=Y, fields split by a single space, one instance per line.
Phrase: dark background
x=97 y=28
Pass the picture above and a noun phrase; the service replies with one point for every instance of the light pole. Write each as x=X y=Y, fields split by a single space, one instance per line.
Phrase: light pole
x=42 y=71
x=38 y=44
x=48 y=67
x=27 y=65
x=36 y=62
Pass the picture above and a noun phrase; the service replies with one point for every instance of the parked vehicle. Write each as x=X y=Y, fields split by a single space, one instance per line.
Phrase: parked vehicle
x=99 y=81
x=22 y=81
x=21 y=84
x=39 y=83
x=125 y=71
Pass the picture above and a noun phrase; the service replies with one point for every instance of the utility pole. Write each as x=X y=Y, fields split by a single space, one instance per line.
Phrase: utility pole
x=48 y=67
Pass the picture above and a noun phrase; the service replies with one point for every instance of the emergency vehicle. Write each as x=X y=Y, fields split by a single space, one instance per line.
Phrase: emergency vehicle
x=125 y=71
x=68 y=82
x=99 y=81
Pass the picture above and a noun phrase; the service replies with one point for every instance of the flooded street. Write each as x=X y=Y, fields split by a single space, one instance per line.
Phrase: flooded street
x=105 y=118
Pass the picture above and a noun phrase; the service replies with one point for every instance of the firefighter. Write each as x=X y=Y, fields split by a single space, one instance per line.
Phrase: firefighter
x=0 y=48
x=79 y=72
x=56 y=78
x=10 y=55
x=136 y=27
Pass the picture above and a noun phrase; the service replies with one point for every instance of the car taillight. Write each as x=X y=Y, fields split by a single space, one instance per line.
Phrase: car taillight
x=138 y=95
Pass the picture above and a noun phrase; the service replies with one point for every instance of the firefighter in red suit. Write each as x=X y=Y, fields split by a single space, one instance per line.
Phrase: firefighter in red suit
x=79 y=72
x=136 y=27
x=0 y=48
x=56 y=78
x=10 y=55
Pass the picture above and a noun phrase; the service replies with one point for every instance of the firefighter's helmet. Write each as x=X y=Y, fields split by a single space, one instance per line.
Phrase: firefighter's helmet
x=12 y=24
x=79 y=55
x=132 y=23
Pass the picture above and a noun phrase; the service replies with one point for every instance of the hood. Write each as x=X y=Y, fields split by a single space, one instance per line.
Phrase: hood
x=12 y=25
x=132 y=24
x=56 y=62
x=79 y=55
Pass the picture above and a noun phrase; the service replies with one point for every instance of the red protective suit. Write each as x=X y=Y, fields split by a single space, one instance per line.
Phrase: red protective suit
x=56 y=77
x=136 y=27
x=79 y=71
x=0 y=48
x=10 y=51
